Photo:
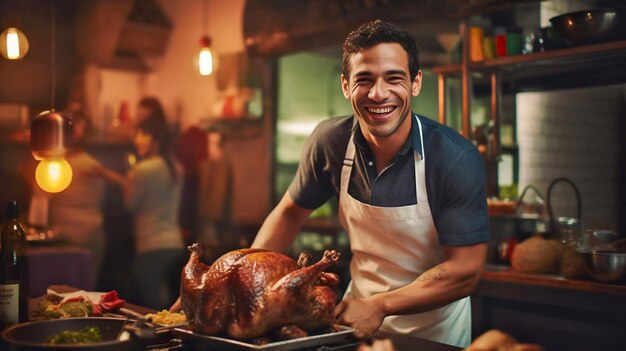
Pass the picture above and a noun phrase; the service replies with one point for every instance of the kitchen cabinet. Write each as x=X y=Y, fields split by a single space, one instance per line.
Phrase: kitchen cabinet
x=571 y=67
x=555 y=312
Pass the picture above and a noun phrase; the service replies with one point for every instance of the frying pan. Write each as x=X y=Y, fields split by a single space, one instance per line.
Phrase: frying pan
x=33 y=335
x=591 y=26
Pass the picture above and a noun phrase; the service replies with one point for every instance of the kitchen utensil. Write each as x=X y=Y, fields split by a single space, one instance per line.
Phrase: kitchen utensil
x=34 y=335
x=605 y=265
x=606 y=237
x=591 y=26
x=530 y=205
x=616 y=245
x=565 y=228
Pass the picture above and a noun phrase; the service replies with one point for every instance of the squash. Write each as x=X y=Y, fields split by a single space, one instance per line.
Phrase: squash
x=537 y=255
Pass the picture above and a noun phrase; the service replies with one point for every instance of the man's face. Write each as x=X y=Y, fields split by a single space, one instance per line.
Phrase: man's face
x=380 y=89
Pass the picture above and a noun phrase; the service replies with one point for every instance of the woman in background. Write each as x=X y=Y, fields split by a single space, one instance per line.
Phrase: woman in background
x=152 y=192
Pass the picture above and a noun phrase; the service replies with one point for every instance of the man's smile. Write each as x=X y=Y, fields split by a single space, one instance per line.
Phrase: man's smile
x=380 y=113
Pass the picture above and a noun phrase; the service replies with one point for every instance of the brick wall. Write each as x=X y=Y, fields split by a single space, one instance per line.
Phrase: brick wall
x=578 y=134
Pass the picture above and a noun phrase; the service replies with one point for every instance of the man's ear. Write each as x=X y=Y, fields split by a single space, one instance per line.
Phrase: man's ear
x=416 y=85
x=345 y=87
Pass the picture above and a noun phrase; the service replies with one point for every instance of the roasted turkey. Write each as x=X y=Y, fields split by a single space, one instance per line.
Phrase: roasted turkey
x=250 y=293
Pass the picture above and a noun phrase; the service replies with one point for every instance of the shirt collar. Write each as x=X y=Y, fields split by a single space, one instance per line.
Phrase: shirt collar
x=412 y=143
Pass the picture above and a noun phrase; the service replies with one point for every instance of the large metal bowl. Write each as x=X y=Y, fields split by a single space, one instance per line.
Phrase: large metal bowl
x=605 y=265
x=591 y=26
x=34 y=335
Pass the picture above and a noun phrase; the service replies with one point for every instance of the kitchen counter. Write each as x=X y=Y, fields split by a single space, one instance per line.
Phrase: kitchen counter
x=502 y=273
x=401 y=343
x=553 y=311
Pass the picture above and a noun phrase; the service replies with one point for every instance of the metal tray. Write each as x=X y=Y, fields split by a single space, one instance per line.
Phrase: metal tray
x=286 y=345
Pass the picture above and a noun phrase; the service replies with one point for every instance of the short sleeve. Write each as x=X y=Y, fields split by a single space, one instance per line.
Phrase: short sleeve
x=135 y=186
x=462 y=218
x=312 y=185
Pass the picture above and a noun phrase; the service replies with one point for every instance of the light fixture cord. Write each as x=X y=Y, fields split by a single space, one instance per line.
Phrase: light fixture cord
x=53 y=53
x=205 y=15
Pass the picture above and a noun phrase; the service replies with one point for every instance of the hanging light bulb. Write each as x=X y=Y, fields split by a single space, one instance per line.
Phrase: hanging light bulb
x=50 y=139
x=53 y=174
x=206 y=62
x=205 y=57
x=13 y=44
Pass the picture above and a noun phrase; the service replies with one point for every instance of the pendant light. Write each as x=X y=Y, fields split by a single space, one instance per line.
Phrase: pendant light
x=50 y=139
x=206 y=62
x=13 y=44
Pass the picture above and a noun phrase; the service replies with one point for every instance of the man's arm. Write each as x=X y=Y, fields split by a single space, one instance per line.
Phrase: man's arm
x=281 y=226
x=449 y=281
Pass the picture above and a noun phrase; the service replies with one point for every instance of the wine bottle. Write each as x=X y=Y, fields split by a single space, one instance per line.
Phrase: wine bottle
x=14 y=277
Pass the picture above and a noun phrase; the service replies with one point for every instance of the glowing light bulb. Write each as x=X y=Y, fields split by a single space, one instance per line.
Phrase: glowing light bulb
x=205 y=61
x=53 y=174
x=13 y=44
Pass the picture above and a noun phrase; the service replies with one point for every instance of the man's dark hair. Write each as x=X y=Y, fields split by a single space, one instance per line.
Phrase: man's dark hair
x=376 y=32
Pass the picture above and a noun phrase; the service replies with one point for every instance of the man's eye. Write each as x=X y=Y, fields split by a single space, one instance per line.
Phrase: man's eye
x=396 y=79
x=361 y=81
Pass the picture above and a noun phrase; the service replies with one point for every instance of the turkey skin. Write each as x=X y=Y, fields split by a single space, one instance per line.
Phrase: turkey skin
x=249 y=293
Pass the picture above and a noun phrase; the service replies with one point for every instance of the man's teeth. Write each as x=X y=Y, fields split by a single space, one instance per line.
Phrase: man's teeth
x=380 y=110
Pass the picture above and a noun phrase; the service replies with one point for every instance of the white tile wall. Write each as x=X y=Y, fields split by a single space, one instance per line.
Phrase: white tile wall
x=574 y=134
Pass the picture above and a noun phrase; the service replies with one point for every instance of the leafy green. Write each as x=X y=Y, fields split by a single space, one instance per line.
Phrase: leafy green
x=52 y=307
x=89 y=334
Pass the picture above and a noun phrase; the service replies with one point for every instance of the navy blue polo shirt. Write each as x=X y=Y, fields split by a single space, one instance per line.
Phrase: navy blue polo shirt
x=455 y=176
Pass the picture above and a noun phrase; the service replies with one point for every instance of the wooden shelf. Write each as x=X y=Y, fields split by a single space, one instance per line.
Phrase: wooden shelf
x=572 y=54
x=447 y=69
x=577 y=53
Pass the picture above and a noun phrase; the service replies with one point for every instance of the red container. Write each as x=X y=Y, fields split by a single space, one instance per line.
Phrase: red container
x=500 y=38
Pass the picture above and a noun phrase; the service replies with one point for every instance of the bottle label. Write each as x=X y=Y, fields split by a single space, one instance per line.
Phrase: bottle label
x=9 y=304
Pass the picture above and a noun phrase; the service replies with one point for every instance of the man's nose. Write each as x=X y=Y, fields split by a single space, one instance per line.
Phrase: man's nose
x=379 y=91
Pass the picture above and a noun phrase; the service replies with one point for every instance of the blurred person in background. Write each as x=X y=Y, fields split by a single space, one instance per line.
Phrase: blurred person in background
x=152 y=192
x=149 y=106
x=76 y=213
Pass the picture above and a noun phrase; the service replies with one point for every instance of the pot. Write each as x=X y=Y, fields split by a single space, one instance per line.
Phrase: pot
x=591 y=26
x=566 y=229
x=605 y=265
x=34 y=335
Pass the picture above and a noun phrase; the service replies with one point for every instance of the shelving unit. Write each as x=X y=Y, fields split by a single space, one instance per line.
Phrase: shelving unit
x=579 y=66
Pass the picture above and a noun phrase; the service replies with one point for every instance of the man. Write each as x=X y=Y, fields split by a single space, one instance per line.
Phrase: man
x=411 y=198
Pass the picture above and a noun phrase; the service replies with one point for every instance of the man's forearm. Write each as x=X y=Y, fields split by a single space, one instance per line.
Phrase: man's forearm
x=281 y=226
x=444 y=283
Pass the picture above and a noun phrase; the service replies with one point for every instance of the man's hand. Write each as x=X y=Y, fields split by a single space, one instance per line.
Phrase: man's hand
x=364 y=315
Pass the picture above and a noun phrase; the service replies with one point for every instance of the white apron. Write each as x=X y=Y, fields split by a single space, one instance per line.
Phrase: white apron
x=391 y=247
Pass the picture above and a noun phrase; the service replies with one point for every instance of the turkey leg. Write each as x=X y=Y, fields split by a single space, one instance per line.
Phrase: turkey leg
x=307 y=276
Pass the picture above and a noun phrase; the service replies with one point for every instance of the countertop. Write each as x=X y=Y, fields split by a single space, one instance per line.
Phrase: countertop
x=401 y=343
x=502 y=273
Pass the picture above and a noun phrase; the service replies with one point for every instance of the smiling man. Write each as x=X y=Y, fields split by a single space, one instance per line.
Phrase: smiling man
x=411 y=198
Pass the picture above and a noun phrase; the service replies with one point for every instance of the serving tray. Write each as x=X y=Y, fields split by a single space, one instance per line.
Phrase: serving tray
x=285 y=345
